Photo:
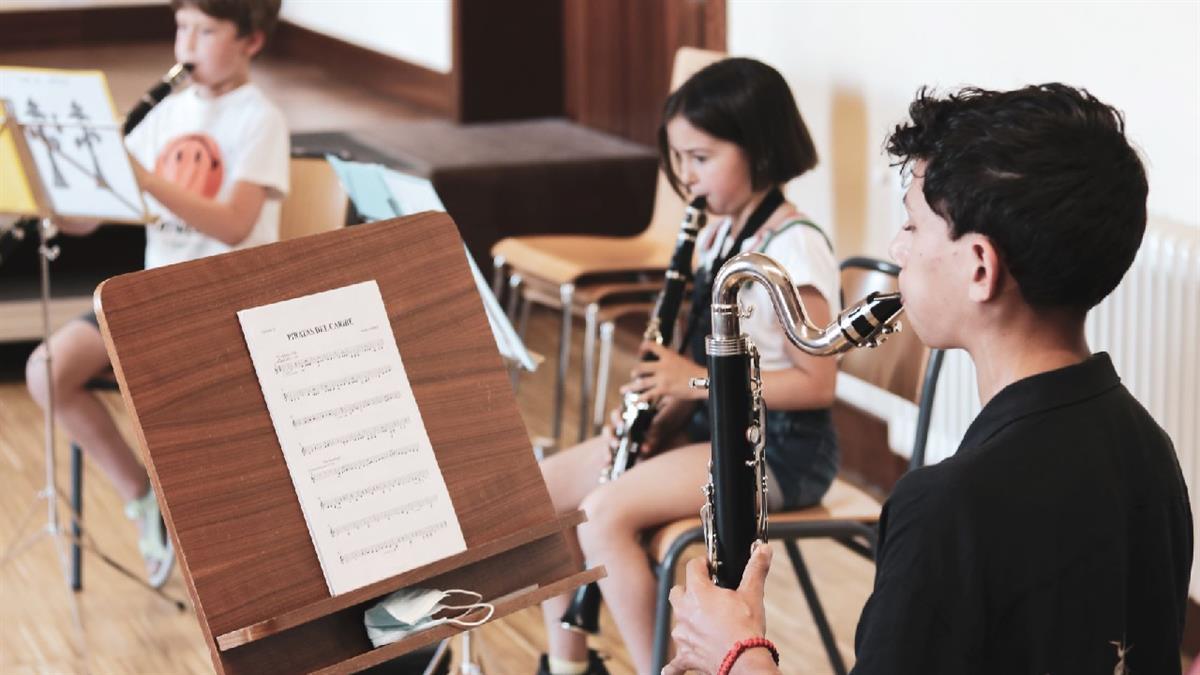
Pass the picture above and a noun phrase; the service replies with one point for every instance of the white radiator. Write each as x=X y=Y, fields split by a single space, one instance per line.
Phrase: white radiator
x=1150 y=325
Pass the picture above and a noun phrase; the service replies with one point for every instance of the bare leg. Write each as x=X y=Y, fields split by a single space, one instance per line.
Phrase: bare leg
x=570 y=475
x=657 y=490
x=78 y=356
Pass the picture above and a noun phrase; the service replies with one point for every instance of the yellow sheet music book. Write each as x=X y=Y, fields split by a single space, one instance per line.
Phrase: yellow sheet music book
x=73 y=148
x=15 y=196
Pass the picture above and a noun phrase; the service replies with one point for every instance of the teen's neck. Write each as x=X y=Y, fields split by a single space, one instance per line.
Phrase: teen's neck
x=1024 y=346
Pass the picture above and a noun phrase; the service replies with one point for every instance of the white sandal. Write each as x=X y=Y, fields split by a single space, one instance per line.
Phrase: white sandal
x=153 y=541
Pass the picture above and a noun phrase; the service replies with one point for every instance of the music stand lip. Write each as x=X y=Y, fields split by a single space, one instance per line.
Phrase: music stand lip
x=506 y=605
x=290 y=619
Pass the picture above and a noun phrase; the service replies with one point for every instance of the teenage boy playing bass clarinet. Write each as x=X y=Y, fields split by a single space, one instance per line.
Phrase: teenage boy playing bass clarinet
x=1058 y=539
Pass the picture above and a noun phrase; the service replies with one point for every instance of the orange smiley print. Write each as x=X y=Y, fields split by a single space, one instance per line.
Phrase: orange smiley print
x=194 y=163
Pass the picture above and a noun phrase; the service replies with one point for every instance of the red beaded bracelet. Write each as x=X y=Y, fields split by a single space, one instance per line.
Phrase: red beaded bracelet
x=742 y=645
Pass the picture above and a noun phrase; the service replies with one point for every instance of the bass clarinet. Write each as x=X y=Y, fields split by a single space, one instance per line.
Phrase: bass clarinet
x=735 y=512
x=583 y=614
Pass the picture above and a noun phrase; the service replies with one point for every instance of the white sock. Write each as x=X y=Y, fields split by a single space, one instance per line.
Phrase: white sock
x=136 y=507
x=565 y=667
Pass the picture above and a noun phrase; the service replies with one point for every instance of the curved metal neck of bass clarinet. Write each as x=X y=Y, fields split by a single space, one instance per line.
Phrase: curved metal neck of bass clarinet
x=860 y=325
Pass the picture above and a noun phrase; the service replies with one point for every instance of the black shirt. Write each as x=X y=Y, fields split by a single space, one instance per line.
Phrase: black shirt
x=1061 y=526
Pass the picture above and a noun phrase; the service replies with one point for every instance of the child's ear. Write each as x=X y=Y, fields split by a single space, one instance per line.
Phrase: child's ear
x=254 y=43
x=987 y=277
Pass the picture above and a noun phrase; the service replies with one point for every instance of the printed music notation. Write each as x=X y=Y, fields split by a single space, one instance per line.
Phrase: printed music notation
x=374 y=489
x=368 y=434
x=351 y=352
x=336 y=384
x=395 y=542
x=411 y=507
x=348 y=409
x=352 y=435
x=343 y=469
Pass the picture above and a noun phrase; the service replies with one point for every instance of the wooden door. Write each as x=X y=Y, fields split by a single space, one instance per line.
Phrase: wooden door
x=618 y=54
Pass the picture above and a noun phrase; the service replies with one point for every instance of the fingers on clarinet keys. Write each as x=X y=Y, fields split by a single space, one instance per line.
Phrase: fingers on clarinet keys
x=698 y=383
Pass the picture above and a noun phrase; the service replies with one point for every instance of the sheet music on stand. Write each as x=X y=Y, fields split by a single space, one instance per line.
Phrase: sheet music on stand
x=379 y=193
x=71 y=132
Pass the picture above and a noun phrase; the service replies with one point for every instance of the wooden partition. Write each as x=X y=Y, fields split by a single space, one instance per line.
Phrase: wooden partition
x=249 y=563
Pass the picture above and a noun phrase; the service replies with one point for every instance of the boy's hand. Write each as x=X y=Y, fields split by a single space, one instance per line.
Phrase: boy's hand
x=709 y=620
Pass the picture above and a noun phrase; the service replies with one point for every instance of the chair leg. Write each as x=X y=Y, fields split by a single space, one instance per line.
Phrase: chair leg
x=514 y=295
x=566 y=294
x=77 y=508
x=514 y=301
x=498 y=264
x=662 y=603
x=814 y=606
x=589 y=368
x=523 y=322
x=606 y=342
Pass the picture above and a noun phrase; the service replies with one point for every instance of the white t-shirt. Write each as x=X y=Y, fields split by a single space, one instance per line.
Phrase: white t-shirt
x=804 y=253
x=206 y=145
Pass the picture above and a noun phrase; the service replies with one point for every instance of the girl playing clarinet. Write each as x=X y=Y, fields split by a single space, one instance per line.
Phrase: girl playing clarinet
x=731 y=134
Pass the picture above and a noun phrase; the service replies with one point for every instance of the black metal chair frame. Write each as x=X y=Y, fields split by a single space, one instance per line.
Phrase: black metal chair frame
x=850 y=534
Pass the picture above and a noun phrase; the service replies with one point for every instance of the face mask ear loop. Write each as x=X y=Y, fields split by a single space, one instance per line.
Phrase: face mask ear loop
x=457 y=621
x=471 y=606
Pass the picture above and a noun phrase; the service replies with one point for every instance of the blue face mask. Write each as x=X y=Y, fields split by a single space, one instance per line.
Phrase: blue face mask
x=411 y=610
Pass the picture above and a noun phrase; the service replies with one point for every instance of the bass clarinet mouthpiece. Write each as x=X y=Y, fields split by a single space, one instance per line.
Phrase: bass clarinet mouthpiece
x=868 y=322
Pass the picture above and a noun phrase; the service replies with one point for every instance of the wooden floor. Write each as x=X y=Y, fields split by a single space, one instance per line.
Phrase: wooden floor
x=127 y=630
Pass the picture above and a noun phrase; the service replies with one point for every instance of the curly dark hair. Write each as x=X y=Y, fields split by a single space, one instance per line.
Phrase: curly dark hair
x=1045 y=172
x=748 y=103
x=249 y=15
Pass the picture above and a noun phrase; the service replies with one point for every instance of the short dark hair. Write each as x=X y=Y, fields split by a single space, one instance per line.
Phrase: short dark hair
x=1045 y=172
x=248 y=15
x=748 y=103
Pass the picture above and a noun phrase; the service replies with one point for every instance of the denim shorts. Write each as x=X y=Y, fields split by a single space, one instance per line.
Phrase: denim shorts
x=801 y=449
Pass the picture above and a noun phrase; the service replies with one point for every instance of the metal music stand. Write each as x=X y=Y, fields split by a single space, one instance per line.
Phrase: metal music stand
x=73 y=532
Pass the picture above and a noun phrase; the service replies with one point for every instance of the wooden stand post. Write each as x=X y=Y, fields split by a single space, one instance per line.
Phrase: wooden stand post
x=250 y=566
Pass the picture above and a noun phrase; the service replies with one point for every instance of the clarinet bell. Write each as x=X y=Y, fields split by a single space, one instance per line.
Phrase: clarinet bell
x=583 y=614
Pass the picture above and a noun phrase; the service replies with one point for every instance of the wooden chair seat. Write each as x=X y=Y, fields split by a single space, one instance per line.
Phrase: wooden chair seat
x=633 y=292
x=564 y=259
x=843 y=502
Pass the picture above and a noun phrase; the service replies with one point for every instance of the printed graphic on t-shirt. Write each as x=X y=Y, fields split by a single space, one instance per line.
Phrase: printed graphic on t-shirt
x=193 y=162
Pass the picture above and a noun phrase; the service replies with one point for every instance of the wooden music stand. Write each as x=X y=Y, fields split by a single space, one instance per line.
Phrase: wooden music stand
x=217 y=468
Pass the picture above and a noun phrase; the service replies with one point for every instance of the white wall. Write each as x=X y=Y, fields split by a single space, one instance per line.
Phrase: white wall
x=417 y=31
x=854 y=67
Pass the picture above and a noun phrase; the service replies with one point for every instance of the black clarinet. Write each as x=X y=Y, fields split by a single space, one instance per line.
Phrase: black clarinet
x=583 y=614
x=735 y=511
x=26 y=228
x=174 y=77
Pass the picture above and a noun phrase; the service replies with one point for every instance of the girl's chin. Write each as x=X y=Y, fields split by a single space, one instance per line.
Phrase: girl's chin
x=715 y=209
